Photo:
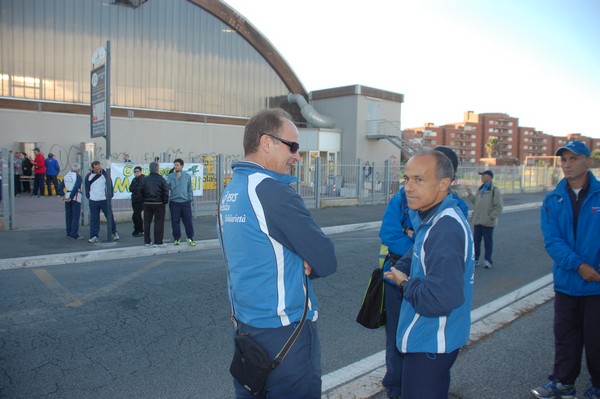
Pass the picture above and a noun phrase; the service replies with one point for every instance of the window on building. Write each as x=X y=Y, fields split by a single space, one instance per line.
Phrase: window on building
x=197 y=65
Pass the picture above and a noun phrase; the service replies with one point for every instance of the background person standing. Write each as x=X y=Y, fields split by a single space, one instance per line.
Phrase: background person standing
x=137 y=203
x=154 y=191
x=180 y=202
x=52 y=170
x=72 y=182
x=95 y=191
x=39 y=172
x=570 y=217
x=18 y=164
x=27 y=172
x=488 y=205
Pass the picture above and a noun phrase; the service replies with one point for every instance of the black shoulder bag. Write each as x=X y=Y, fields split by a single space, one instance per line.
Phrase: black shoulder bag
x=372 y=313
x=251 y=364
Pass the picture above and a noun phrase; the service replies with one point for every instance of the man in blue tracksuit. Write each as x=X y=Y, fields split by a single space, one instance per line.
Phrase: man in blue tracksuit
x=571 y=229
x=436 y=278
x=396 y=235
x=271 y=242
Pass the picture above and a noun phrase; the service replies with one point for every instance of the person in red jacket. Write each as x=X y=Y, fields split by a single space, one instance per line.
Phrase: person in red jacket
x=39 y=170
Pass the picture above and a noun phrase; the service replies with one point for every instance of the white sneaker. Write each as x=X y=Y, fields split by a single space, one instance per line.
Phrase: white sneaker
x=94 y=239
x=487 y=265
x=116 y=237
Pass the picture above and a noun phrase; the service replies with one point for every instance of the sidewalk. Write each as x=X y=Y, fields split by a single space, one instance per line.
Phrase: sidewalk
x=31 y=247
x=28 y=245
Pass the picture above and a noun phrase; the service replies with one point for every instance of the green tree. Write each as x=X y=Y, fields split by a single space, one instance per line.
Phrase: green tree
x=595 y=159
x=492 y=147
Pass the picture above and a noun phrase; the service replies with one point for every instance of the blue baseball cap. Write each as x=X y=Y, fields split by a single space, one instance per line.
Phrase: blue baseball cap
x=575 y=146
x=487 y=172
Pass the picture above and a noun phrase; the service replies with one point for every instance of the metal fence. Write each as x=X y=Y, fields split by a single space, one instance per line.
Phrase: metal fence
x=362 y=183
x=324 y=184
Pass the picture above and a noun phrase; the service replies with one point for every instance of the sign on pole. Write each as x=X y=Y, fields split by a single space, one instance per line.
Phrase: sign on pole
x=100 y=117
x=98 y=93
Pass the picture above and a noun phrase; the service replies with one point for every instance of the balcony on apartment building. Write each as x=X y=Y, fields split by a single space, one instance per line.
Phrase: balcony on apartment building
x=500 y=132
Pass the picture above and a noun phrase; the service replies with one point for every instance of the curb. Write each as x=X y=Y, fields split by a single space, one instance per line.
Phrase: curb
x=102 y=255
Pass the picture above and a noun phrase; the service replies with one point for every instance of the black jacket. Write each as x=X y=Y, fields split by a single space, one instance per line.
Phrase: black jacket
x=136 y=196
x=154 y=188
x=27 y=166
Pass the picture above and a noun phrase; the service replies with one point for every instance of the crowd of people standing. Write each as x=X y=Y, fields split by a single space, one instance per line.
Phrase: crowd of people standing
x=149 y=195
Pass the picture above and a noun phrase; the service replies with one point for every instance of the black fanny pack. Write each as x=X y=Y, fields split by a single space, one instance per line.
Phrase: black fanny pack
x=250 y=365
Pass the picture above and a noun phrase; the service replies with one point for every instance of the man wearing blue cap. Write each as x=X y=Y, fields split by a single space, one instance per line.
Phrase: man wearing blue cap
x=570 y=225
x=487 y=207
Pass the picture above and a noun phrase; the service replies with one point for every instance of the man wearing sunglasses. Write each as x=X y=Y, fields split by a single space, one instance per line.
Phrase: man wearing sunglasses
x=271 y=242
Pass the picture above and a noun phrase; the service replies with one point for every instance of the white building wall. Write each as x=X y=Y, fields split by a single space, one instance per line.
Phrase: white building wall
x=142 y=139
x=351 y=114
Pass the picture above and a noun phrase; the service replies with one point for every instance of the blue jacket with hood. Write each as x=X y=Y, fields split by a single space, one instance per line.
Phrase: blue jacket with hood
x=267 y=234
x=567 y=251
x=436 y=311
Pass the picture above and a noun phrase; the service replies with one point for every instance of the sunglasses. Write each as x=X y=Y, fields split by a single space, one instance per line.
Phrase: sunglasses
x=294 y=147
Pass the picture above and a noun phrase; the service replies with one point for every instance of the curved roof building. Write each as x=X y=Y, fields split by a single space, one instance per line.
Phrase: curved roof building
x=195 y=57
x=185 y=75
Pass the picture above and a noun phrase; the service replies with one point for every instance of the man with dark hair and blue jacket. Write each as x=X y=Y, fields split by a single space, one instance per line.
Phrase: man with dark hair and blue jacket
x=436 y=278
x=270 y=243
x=571 y=226
x=396 y=235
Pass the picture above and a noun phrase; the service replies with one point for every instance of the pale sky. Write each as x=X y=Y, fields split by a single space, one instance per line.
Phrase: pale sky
x=537 y=60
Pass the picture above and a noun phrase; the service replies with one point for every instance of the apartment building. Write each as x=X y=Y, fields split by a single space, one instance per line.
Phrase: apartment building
x=469 y=138
x=466 y=140
x=425 y=137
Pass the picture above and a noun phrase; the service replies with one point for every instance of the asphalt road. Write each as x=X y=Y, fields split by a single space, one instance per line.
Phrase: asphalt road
x=158 y=327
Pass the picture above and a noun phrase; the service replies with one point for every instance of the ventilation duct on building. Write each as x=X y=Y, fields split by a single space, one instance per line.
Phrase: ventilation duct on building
x=310 y=113
x=130 y=3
